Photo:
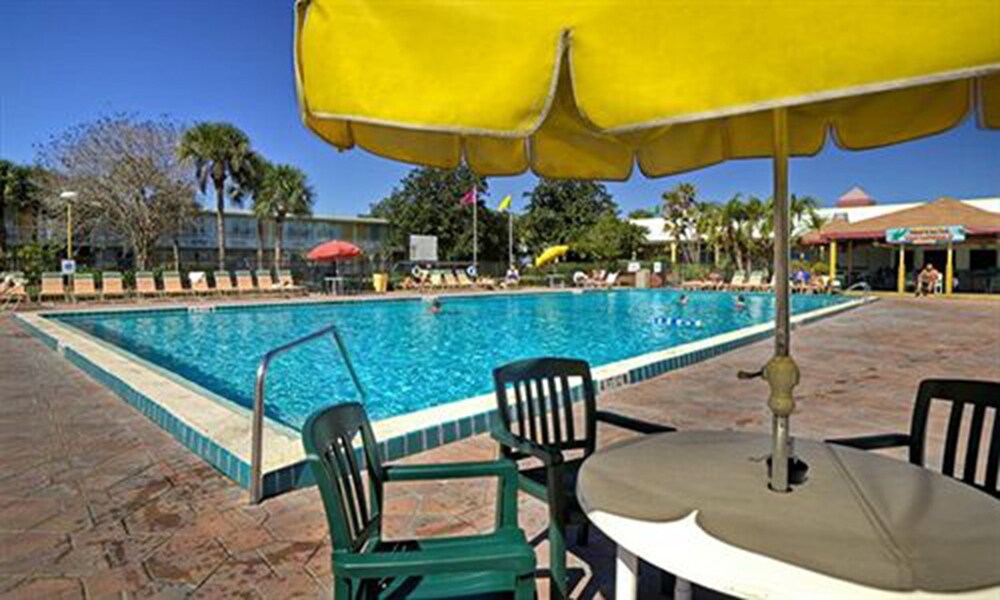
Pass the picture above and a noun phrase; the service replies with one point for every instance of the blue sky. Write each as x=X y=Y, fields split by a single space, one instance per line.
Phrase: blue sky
x=67 y=62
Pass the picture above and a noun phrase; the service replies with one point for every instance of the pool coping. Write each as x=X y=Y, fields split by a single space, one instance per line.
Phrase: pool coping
x=218 y=429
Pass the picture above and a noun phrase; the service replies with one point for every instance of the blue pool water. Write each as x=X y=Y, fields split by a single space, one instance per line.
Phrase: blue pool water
x=408 y=358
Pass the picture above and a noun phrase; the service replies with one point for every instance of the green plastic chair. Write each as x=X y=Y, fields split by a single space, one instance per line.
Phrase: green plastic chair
x=365 y=565
x=535 y=403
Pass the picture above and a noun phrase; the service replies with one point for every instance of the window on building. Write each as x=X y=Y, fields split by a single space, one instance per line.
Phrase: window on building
x=982 y=260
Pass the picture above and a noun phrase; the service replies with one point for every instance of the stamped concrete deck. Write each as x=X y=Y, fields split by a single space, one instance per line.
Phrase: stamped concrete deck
x=96 y=502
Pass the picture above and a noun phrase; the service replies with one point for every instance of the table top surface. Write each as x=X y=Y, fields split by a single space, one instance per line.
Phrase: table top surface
x=861 y=521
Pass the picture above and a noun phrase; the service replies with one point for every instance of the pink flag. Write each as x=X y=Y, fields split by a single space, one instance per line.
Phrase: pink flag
x=469 y=198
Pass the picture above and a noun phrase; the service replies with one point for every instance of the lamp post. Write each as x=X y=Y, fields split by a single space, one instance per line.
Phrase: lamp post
x=69 y=196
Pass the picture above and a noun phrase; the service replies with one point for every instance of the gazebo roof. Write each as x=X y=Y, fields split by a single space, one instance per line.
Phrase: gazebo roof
x=940 y=213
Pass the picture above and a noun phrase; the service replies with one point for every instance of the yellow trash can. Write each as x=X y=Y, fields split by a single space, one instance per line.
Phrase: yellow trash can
x=380 y=281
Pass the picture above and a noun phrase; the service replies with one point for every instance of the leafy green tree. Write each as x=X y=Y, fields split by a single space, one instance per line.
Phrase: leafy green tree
x=284 y=192
x=642 y=213
x=561 y=212
x=610 y=238
x=218 y=151
x=678 y=211
x=426 y=202
x=19 y=190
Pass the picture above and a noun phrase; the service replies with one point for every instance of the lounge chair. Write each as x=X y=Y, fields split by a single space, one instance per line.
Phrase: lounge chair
x=464 y=281
x=739 y=278
x=52 y=286
x=437 y=281
x=244 y=283
x=609 y=282
x=287 y=282
x=450 y=281
x=111 y=285
x=199 y=283
x=366 y=564
x=266 y=282
x=145 y=285
x=224 y=282
x=597 y=278
x=532 y=429
x=14 y=293
x=83 y=286
x=173 y=284
x=753 y=282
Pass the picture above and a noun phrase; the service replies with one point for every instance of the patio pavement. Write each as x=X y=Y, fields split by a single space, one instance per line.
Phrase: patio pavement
x=97 y=502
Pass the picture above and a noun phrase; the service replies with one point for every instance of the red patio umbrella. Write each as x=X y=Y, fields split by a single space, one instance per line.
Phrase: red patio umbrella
x=333 y=251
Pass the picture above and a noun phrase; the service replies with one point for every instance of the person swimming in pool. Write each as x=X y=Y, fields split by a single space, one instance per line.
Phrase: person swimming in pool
x=435 y=307
x=683 y=300
x=741 y=302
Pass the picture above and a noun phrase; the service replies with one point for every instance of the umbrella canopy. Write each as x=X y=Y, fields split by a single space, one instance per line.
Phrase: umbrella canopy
x=551 y=254
x=333 y=251
x=590 y=88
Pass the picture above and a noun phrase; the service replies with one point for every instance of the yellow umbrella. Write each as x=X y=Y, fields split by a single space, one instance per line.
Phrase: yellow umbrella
x=575 y=89
x=550 y=255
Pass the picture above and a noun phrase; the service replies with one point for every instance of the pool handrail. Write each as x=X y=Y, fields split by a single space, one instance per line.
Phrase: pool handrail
x=257 y=439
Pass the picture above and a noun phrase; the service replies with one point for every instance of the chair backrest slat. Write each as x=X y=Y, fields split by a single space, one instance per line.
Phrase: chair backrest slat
x=541 y=407
x=951 y=438
x=984 y=398
x=972 y=445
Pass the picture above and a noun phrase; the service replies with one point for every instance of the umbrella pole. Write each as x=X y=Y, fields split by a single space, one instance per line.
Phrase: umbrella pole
x=781 y=372
x=475 y=236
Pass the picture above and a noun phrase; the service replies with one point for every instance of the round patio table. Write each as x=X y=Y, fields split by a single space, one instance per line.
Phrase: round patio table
x=696 y=504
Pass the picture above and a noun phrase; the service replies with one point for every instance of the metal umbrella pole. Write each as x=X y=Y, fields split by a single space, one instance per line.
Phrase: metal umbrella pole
x=781 y=372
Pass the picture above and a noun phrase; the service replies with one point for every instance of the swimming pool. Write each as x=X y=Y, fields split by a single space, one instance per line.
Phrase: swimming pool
x=407 y=358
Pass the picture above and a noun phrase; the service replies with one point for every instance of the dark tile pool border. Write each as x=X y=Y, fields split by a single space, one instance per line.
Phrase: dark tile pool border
x=298 y=475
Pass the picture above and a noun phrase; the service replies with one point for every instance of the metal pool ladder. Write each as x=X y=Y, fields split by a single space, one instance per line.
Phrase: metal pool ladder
x=257 y=441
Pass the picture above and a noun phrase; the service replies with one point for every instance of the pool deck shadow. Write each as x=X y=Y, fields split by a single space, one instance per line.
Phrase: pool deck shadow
x=96 y=501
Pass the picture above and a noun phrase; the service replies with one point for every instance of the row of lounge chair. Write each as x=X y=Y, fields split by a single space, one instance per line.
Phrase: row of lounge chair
x=597 y=279
x=83 y=286
x=754 y=282
x=443 y=280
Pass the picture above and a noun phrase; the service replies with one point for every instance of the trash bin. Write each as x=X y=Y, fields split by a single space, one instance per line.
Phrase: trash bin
x=380 y=281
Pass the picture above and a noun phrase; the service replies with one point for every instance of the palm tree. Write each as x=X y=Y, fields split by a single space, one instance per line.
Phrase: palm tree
x=284 y=192
x=678 y=212
x=248 y=184
x=219 y=151
x=710 y=227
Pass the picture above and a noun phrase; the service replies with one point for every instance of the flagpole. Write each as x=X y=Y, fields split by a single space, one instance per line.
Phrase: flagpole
x=510 y=238
x=475 y=235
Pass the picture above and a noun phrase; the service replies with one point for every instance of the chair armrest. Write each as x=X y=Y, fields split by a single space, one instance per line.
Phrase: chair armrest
x=510 y=557
x=548 y=456
x=632 y=423
x=873 y=442
x=492 y=468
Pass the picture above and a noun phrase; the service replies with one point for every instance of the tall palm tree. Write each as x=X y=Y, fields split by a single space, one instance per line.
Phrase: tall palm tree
x=247 y=184
x=219 y=151
x=285 y=192
x=710 y=227
x=678 y=213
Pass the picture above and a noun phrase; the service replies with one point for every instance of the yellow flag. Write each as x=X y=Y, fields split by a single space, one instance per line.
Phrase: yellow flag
x=505 y=203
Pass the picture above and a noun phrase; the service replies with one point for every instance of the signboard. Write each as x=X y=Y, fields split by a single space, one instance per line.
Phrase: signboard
x=634 y=267
x=925 y=236
x=423 y=248
x=657 y=267
x=68 y=266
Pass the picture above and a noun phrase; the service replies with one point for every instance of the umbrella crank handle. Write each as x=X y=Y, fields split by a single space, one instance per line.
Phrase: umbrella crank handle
x=750 y=374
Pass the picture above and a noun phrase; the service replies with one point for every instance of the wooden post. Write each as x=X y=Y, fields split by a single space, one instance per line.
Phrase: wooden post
x=673 y=253
x=901 y=278
x=833 y=260
x=949 y=271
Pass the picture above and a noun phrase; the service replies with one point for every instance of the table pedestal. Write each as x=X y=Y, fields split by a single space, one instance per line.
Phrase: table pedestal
x=627 y=578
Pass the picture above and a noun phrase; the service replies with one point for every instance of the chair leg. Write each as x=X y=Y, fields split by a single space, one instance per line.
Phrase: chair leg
x=341 y=589
x=583 y=534
x=559 y=585
x=525 y=589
